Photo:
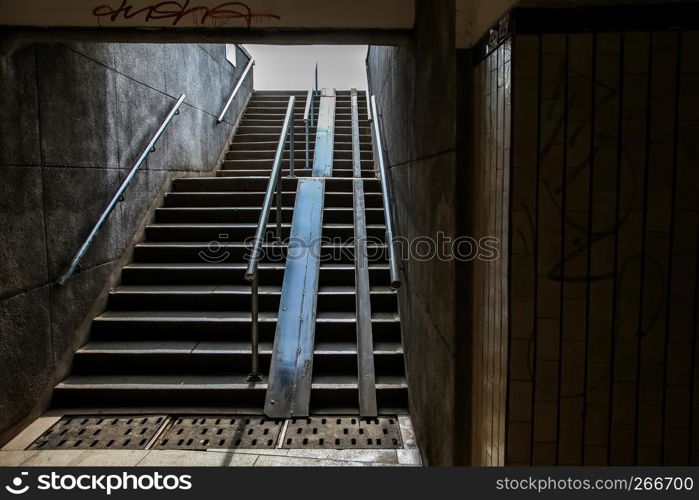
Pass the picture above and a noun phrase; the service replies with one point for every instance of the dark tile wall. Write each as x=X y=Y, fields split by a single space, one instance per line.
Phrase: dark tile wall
x=492 y=111
x=604 y=232
x=75 y=118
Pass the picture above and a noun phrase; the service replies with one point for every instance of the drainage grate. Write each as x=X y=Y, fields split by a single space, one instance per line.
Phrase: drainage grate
x=201 y=433
x=211 y=432
x=342 y=433
x=113 y=433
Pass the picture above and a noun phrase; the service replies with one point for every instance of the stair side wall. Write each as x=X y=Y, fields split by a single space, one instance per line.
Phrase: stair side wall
x=415 y=88
x=75 y=118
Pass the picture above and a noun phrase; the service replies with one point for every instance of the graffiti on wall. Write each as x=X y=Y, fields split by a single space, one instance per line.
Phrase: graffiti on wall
x=174 y=11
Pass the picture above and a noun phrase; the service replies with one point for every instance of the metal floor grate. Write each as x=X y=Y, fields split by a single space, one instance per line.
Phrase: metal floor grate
x=165 y=432
x=202 y=433
x=343 y=433
x=111 y=433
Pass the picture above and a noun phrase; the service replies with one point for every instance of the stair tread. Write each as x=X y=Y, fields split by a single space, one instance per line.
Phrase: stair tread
x=219 y=179
x=183 y=381
x=234 y=289
x=241 y=244
x=328 y=381
x=234 y=209
x=236 y=316
x=186 y=347
x=195 y=382
x=200 y=265
x=261 y=192
x=180 y=225
x=234 y=265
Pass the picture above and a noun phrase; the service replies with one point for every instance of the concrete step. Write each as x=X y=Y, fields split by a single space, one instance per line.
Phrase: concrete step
x=201 y=325
x=241 y=231
x=221 y=357
x=299 y=146
x=233 y=251
x=267 y=163
x=182 y=211
x=269 y=129
x=329 y=395
x=233 y=273
x=299 y=171
x=225 y=199
x=299 y=137
x=299 y=154
x=237 y=297
x=259 y=184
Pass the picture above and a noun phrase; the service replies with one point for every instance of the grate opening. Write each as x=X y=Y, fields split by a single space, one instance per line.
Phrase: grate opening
x=343 y=433
x=196 y=433
x=100 y=433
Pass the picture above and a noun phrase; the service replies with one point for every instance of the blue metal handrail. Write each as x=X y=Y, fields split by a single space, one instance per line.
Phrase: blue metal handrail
x=75 y=262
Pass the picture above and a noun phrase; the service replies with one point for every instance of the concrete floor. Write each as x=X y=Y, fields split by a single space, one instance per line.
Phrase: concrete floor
x=16 y=454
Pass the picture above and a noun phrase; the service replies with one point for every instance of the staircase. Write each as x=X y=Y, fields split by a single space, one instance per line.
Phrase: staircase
x=176 y=332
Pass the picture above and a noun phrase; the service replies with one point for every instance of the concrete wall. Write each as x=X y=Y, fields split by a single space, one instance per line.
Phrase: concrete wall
x=415 y=88
x=75 y=118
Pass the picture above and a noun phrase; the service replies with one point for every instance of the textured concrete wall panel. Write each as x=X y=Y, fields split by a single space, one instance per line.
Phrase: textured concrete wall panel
x=75 y=119
x=416 y=91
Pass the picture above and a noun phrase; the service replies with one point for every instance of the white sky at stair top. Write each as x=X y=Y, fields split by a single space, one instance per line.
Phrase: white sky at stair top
x=291 y=67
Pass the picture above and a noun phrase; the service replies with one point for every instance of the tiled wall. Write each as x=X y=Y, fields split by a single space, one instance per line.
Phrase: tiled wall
x=492 y=112
x=604 y=230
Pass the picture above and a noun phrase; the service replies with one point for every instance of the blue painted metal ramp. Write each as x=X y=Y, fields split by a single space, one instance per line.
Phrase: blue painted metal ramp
x=291 y=370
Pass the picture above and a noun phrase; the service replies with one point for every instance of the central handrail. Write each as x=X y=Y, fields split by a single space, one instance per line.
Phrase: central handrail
x=251 y=63
x=256 y=254
x=387 y=202
x=118 y=196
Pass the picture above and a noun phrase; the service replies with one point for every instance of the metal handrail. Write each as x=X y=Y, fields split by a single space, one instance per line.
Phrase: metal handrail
x=309 y=115
x=251 y=63
x=118 y=196
x=370 y=116
x=387 y=202
x=275 y=179
x=316 y=75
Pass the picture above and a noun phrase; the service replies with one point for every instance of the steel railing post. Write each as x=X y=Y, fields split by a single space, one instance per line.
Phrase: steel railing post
x=291 y=149
x=254 y=333
x=308 y=154
x=313 y=111
x=308 y=115
x=279 y=207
